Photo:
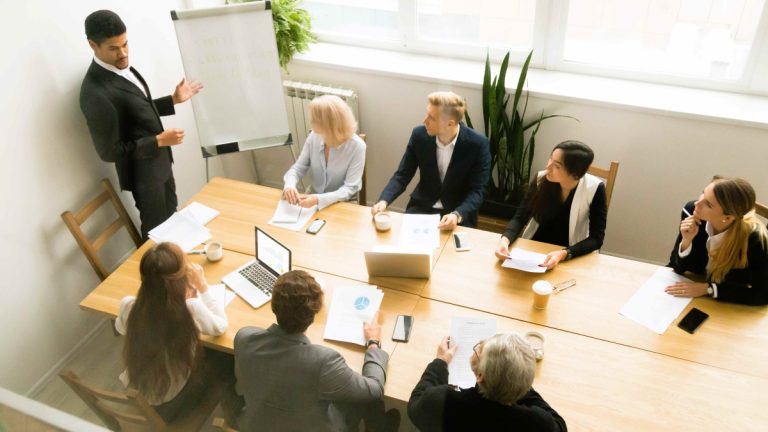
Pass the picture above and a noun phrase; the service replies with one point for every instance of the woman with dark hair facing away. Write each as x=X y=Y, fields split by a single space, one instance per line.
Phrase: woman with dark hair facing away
x=731 y=249
x=164 y=358
x=564 y=206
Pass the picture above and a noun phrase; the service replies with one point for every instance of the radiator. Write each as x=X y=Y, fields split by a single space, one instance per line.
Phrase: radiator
x=299 y=94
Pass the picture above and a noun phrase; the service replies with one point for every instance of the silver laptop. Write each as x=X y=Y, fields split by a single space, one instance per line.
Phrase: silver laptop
x=255 y=279
x=399 y=262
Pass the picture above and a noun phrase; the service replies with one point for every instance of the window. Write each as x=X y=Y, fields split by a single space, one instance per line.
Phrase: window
x=703 y=43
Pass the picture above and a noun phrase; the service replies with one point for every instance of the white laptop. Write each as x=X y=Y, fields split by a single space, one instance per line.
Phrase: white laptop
x=255 y=279
x=399 y=261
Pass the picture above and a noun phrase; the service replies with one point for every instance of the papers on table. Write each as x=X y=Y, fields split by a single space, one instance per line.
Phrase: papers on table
x=222 y=294
x=199 y=213
x=420 y=230
x=292 y=217
x=524 y=260
x=350 y=307
x=651 y=306
x=181 y=229
x=466 y=333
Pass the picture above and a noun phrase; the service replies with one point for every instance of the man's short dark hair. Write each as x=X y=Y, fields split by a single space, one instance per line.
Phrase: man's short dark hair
x=296 y=299
x=102 y=25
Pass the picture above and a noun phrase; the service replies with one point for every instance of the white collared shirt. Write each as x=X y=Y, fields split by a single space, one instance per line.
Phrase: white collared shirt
x=444 y=154
x=125 y=73
x=713 y=242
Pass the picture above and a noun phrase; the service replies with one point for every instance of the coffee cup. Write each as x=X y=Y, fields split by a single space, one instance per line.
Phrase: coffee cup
x=542 y=290
x=382 y=221
x=536 y=341
x=214 y=251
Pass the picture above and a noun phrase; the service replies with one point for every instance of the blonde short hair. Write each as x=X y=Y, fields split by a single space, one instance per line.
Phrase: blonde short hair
x=507 y=363
x=333 y=118
x=450 y=104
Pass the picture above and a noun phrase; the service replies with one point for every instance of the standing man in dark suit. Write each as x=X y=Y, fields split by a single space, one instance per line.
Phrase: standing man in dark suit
x=125 y=123
x=454 y=163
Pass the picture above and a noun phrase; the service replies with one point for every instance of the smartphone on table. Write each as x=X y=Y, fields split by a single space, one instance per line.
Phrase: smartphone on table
x=692 y=320
x=316 y=226
x=402 y=330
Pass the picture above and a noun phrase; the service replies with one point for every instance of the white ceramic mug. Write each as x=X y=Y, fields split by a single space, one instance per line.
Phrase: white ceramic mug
x=214 y=251
x=382 y=221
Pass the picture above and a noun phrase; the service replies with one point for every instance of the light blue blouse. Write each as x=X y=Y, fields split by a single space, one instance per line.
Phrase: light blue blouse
x=337 y=180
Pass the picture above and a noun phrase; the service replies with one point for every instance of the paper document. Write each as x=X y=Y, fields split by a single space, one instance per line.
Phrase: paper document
x=222 y=294
x=420 y=230
x=292 y=217
x=182 y=230
x=527 y=261
x=350 y=308
x=651 y=306
x=466 y=333
x=199 y=213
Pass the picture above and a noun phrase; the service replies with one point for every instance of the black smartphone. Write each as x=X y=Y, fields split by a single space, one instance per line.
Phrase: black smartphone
x=692 y=320
x=402 y=328
x=315 y=226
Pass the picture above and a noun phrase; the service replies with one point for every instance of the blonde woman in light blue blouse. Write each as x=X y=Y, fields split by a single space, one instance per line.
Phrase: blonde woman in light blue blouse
x=333 y=156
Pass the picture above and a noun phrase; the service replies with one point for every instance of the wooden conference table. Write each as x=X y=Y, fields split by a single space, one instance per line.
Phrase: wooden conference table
x=601 y=371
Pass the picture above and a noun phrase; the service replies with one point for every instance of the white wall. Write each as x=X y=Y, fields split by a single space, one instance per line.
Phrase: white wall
x=49 y=165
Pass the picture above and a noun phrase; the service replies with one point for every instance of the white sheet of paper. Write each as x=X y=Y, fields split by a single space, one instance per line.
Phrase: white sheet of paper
x=182 y=230
x=420 y=230
x=527 y=261
x=199 y=213
x=222 y=294
x=350 y=307
x=466 y=333
x=291 y=217
x=651 y=306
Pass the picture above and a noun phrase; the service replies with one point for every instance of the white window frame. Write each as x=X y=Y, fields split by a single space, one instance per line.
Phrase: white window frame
x=548 y=45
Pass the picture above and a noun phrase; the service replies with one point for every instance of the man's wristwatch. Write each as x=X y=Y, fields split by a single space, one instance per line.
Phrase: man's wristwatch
x=710 y=290
x=459 y=219
x=373 y=342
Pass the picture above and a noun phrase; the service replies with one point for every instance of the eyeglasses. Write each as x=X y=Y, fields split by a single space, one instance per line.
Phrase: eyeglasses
x=474 y=348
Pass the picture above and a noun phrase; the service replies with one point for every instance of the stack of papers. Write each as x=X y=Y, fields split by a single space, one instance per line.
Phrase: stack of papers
x=185 y=228
x=654 y=308
x=350 y=308
x=466 y=333
x=292 y=217
x=420 y=230
x=527 y=261
x=222 y=294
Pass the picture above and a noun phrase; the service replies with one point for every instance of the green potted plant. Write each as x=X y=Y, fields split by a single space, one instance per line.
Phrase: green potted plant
x=293 y=27
x=511 y=151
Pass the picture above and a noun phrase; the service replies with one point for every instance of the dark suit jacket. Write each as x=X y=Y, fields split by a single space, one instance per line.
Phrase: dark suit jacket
x=465 y=179
x=746 y=286
x=289 y=384
x=436 y=406
x=124 y=124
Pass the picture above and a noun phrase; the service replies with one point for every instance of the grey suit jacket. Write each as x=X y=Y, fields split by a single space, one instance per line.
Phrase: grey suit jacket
x=289 y=384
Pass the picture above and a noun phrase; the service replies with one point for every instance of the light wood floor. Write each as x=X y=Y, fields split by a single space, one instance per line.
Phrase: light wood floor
x=100 y=362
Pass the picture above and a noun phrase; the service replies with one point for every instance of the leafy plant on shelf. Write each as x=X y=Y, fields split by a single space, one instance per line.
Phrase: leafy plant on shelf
x=511 y=151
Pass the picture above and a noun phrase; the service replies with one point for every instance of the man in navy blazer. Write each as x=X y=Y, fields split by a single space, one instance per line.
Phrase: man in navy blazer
x=454 y=163
x=124 y=120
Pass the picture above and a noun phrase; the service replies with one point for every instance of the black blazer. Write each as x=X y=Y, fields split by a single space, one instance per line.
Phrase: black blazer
x=746 y=286
x=124 y=124
x=465 y=179
x=436 y=406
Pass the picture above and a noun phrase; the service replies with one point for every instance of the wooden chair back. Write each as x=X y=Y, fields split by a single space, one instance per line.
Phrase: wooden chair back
x=363 y=195
x=610 y=178
x=74 y=222
x=129 y=411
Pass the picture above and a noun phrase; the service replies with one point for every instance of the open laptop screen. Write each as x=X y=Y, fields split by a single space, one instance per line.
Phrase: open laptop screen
x=271 y=254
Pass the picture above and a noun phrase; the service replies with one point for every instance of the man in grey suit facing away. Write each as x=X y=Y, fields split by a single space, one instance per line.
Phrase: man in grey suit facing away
x=290 y=384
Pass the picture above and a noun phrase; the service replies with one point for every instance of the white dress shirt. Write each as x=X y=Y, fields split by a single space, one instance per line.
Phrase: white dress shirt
x=338 y=179
x=444 y=154
x=713 y=242
x=125 y=73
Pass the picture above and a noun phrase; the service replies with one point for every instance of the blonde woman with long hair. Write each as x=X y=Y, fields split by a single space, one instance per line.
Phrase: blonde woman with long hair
x=333 y=155
x=721 y=237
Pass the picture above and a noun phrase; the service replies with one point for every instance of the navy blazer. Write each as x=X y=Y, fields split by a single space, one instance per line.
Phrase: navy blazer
x=124 y=124
x=746 y=285
x=465 y=180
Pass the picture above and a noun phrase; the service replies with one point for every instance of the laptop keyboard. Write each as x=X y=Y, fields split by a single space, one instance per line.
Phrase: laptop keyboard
x=262 y=279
